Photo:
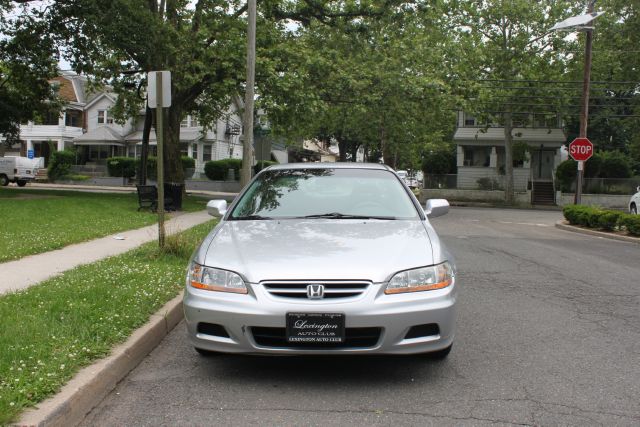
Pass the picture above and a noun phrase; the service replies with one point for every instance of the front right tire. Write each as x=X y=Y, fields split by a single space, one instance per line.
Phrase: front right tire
x=440 y=354
x=633 y=209
x=21 y=183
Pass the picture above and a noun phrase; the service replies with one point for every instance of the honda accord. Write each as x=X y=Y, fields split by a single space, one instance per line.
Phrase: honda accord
x=320 y=258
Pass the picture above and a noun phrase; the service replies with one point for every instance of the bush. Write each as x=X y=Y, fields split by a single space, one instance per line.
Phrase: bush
x=217 y=170
x=609 y=220
x=631 y=223
x=152 y=167
x=60 y=164
x=488 y=184
x=614 y=165
x=261 y=164
x=439 y=161
x=188 y=162
x=565 y=175
x=122 y=166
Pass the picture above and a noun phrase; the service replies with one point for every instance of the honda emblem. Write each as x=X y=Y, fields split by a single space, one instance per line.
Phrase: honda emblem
x=315 y=291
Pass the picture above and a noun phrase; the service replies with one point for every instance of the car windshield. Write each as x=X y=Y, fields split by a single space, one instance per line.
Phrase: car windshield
x=325 y=193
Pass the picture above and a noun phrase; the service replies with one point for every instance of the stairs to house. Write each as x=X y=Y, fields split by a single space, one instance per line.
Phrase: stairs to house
x=41 y=175
x=542 y=193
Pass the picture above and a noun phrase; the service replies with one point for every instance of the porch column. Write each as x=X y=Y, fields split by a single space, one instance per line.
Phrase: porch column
x=200 y=160
x=60 y=144
x=459 y=156
x=557 y=159
x=527 y=160
x=29 y=144
x=190 y=150
x=493 y=158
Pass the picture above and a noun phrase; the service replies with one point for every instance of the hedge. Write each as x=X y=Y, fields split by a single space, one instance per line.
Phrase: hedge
x=122 y=166
x=217 y=170
x=592 y=217
x=60 y=164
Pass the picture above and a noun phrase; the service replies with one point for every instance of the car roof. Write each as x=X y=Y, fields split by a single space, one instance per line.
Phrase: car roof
x=326 y=165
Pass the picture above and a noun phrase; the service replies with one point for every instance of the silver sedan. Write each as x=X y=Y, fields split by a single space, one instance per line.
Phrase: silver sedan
x=323 y=259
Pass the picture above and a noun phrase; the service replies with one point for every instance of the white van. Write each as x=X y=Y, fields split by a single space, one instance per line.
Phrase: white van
x=18 y=169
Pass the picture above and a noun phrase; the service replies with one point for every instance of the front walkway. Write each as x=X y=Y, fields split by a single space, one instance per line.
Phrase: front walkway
x=27 y=271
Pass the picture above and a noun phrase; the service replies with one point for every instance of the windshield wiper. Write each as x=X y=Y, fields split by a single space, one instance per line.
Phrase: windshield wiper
x=251 y=217
x=338 y=215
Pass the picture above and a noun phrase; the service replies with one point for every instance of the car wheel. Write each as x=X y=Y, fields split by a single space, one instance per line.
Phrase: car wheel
x=633 y=209
x=4 y=181
x=21 y=183
x=440 y=354
x=205 y=353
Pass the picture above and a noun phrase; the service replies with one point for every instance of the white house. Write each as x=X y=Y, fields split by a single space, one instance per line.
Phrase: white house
x=86 y=124
x=480 y=150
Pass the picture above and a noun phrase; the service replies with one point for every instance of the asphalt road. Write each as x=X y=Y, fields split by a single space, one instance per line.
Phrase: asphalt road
x=548 y=334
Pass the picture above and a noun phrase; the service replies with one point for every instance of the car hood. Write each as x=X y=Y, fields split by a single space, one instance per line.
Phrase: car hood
x=319 y=249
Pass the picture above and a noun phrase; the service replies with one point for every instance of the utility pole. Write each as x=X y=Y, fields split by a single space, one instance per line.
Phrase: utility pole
x=584 y=112
x=247 y=147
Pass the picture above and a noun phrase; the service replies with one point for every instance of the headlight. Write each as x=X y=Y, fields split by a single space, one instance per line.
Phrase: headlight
x=213 y=279
x=421 y=279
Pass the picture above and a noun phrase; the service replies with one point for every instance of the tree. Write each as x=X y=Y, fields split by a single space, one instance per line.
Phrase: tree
x=374 y=83
x=27 y=61
x=512 y=58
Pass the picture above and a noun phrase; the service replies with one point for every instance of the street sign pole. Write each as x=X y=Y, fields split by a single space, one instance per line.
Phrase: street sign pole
x=160 y=159
x=584 y=112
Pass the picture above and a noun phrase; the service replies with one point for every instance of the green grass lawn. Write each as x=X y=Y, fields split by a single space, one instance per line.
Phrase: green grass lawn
x=53 y=329
x=36 y=221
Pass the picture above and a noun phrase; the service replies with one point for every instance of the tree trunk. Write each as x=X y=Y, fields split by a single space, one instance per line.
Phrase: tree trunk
x=172 y=164
x=509 y=195
x=342 y=148
x=3 y=148
x=144 y=155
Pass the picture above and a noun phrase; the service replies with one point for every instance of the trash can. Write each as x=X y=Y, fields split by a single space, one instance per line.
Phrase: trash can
x=173 y=190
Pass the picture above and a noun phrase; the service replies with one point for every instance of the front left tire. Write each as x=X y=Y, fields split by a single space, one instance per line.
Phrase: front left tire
x=21 y=183
x=633 y=209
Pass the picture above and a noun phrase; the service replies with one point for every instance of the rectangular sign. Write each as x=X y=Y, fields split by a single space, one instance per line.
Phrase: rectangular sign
x=152 y=95
x=315 y=328
x=30 y=154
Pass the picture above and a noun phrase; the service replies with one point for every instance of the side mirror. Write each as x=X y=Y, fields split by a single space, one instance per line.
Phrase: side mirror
x=638 y=189
x=436 y=207
x=217 y=208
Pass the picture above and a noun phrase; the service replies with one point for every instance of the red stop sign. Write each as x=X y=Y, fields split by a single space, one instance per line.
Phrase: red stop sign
x=581 y=149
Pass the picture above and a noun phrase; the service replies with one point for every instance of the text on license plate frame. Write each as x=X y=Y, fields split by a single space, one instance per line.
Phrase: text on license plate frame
x=316 y=328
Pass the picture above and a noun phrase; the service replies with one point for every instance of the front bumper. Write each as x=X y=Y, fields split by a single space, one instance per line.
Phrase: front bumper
x=393 y=315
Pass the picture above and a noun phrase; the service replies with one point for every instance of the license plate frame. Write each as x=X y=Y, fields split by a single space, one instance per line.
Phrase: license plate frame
x=315 y=328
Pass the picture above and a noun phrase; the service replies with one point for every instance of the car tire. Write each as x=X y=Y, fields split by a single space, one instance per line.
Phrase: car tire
x=440 y=354
x=4 y=181
x=206 y=353
x=633 y=209
x=21 y=183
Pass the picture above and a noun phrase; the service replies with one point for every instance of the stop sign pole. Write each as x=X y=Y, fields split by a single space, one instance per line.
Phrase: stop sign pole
x=581 y=149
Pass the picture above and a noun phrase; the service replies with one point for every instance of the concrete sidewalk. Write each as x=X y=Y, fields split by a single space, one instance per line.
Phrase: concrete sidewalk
x=32 y=269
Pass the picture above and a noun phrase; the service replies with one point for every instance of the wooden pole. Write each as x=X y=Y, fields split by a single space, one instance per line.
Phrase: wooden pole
x=160 y=160
x=247 y=147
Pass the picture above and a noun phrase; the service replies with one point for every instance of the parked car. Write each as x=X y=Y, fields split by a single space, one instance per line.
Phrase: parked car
x=319 y=258
x=408 y=179
x=635 y=202
x=17 y=169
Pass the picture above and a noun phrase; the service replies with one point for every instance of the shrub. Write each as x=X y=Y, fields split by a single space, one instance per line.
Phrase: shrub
x=122 y=166
x=261 y=164
x=488 y=184
x=188 y=162
x=565 y=175
x=217 y=170
x=614 y=165
x=439 y=161
x=152 y=167
x=60 y=164
x=631 y=223
x=609 y=220
x=586 y=216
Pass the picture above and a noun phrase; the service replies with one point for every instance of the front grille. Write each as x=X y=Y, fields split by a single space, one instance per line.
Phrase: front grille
x=419 y=331
x=354 y=338
x=332 y=290
x=212 y=329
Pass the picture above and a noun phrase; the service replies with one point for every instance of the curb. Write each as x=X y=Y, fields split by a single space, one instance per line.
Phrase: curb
x=92 y=383
x=564 y=226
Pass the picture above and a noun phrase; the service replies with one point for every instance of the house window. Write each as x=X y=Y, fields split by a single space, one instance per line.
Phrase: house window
x=184 y=123
x=469 y=120
x=102 y=115
x=73 y=118
x=206 y=152
x=194 y=122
